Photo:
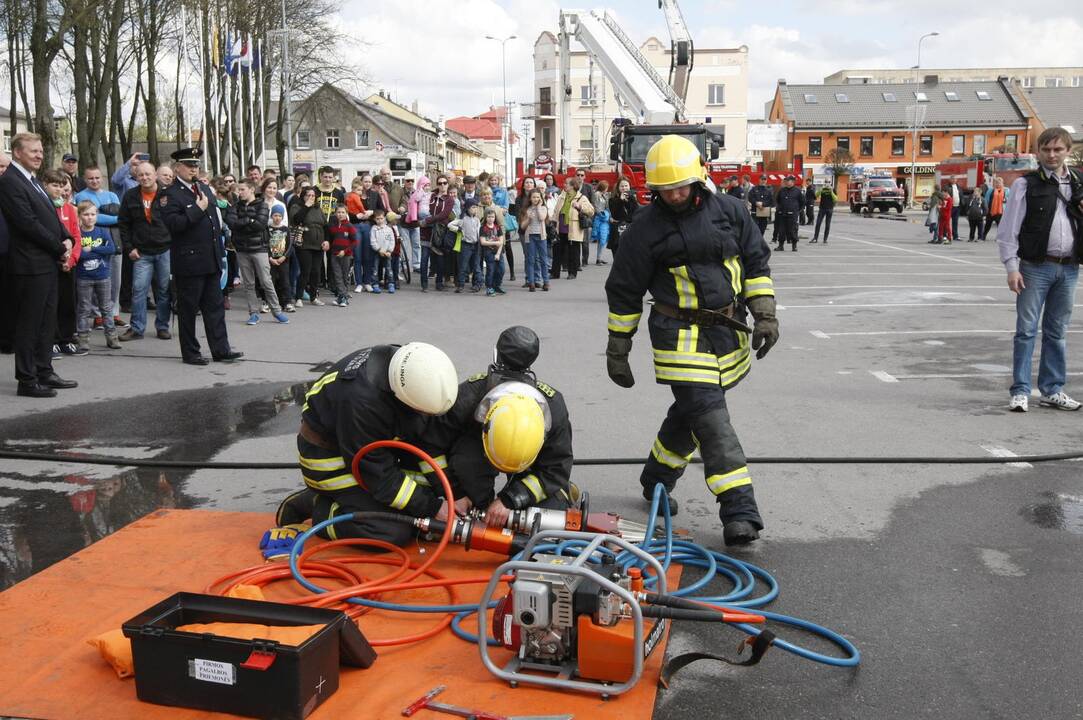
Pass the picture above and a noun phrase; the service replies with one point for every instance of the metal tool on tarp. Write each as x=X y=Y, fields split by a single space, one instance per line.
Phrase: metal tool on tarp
x=425 y=702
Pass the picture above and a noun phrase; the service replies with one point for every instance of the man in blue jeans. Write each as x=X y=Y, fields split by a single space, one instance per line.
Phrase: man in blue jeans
x=146 y=241
x=1041 y=246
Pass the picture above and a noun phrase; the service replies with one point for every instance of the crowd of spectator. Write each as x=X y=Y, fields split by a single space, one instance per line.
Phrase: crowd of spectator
x=285 y=243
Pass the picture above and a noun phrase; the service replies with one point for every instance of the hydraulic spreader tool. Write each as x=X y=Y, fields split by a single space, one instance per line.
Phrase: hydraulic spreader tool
x=580 y=603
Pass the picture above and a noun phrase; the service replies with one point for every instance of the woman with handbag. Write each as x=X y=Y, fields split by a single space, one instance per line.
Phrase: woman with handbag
x=435 y=236
x=308 y=218
x=574 y=212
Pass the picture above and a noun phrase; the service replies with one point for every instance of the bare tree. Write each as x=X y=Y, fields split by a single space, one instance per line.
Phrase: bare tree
x=841 y=162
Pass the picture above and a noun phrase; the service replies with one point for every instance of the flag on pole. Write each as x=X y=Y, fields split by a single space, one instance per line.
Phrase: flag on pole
x=238 y=55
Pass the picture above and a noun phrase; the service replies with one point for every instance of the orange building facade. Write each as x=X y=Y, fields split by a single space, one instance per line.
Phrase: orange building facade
x=875 y=124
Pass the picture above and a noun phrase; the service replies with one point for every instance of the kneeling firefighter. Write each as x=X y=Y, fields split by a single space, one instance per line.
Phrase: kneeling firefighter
x=507 y=421
x=704 y=262
x=376 y=393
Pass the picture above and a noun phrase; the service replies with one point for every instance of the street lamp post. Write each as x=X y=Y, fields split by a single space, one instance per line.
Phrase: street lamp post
x=509 y=172
x=920 y=39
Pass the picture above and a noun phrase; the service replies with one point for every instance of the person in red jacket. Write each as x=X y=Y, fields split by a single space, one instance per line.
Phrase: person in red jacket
x=945 y=219
x=343 y=238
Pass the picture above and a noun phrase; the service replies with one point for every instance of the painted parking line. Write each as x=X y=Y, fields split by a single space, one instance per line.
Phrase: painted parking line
x=950 y=376
x=874 y=305
x=911 y=250
x=883 y=376
x=785 y=272
x=889 y=287
x=828 y=335
x=827 y=263
x=997 y=451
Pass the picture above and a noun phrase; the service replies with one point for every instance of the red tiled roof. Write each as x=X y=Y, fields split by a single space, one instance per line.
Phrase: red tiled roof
x=475 y=128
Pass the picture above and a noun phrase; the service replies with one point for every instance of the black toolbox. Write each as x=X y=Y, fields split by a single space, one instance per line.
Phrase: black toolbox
x=256 y=678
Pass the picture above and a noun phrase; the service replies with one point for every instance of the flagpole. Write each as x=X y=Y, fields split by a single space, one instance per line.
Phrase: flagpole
x=229 y=101
x=239 y=87
x=212 y=97
x=251 y=109
x=262 y=117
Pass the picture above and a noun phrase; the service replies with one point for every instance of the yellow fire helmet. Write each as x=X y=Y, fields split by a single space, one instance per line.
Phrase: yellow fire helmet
x=514 y=420
x=674 y=162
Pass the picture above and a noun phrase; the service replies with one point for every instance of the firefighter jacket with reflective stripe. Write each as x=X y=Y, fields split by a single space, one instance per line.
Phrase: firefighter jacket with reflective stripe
x=547 y=477
x=703 y=258
x=352 y=404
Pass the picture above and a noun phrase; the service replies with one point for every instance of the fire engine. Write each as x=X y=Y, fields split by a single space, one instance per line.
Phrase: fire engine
x=972 y=172
x=647 y=96
x=866 y=193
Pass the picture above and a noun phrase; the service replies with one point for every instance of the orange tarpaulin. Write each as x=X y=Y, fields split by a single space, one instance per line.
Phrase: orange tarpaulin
x=51 y=672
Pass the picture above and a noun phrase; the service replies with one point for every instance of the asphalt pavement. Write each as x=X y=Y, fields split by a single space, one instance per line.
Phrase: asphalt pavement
x=959 y=583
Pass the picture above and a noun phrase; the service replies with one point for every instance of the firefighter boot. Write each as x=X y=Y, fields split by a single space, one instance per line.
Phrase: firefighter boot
x=296 y=508
x=670 y=453
x=727 y=476
x=740 y=516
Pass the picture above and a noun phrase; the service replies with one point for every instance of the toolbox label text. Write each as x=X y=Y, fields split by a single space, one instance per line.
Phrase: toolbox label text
x=212 y=671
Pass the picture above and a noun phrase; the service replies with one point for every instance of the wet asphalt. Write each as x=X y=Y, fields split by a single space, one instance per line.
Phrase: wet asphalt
x=959 y=583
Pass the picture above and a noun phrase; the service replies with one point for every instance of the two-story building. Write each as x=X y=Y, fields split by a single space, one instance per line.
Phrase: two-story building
x=899 y=128
x=332 y=127
x=717 y=97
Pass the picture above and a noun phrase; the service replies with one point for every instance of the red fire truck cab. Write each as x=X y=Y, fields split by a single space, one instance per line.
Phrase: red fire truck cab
x=972 y=172
x=866 y=193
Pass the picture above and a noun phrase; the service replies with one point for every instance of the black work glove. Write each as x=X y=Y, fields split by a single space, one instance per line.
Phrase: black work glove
x=765 y=331
x=616 y=361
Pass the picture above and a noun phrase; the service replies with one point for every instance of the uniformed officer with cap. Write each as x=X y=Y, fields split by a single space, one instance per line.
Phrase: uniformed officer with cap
x=790 y=202
x=188 y=209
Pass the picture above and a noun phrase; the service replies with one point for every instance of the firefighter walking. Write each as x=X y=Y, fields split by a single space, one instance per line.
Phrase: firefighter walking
x=704 y=262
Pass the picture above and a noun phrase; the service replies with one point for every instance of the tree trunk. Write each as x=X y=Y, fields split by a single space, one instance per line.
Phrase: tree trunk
x=79 y=77
x=151 y=45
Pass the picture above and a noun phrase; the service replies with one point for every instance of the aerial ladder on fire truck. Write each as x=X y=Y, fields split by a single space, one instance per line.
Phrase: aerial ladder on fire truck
x=650 y=98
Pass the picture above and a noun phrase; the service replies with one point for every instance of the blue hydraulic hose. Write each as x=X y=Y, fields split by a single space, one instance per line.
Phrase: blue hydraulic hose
x=742 y=575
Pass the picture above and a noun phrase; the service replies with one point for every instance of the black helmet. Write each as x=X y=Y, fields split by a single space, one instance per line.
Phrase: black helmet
x=517 y=348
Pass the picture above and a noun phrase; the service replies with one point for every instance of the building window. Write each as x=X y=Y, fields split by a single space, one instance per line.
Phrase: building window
x=979 y=145
x=983 y=96
x=1011 y=143
x=1054 y=82
x=586 y=137
x=843 y=143
x=925 y=146
x=545 y=101
x=716 y=94
x=898 y=144
x=1077 y=80
x=333 y=142
x=586 y=97
x=7 y=141
x=842 y=97
x=951 y=96
x=890 y=97
x=304 y=139
x=1028 y=81
x=815 y=146
x=958 y=144
x=866 y=145
x=810 y=99
x=547 y=139
x=361 y=138
x=920 y=96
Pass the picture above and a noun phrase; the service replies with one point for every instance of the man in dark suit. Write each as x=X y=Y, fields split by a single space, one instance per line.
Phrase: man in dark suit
x=38 y=243
x=189 y=209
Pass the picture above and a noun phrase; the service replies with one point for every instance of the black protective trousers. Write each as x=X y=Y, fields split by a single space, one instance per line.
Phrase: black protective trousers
x=698 y=418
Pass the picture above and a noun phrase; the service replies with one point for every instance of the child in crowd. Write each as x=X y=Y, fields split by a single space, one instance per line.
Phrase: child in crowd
x=534 y=221
x=343 y=239
x=383 y=244
x=92 y=277
x=469 y=260
x=58 y=188
x=491 y=238
x=279 y=250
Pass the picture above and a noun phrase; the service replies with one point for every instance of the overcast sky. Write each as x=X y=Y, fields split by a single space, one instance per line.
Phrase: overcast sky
x=435 y=52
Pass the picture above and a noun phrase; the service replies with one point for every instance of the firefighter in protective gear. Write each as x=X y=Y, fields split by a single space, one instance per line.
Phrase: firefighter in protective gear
x=376 y=393
x=704 y=262
x=507 y=421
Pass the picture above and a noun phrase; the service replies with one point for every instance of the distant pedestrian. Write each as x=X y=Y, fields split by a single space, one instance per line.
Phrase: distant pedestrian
x=996 y=199
x=1041 y=248
x=810 y=202
x=975 y=215
x=790 y=202
x=828 y=198
x=956 y=207
x=947 y=213
x=760 y=200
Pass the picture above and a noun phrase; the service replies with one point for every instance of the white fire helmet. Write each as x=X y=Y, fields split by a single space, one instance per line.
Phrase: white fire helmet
x=423 y=377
